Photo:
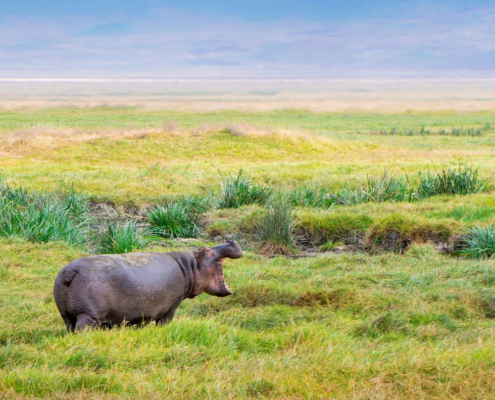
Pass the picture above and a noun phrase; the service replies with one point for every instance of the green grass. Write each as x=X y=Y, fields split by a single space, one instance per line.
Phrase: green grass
x=461 y=180
x=342 y=326
x=241 y=191
x=174 y=220
x=288 y=148
x=129 y=117
x=43 y=217
x=479 y=243
x=461 y=131
x=378 y=189
x=120 y=238
x=178 y=217
x=315 y=197
x=400 y=320
x=276 y=226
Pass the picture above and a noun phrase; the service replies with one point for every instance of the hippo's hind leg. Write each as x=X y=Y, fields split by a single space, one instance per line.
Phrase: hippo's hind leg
x=85 y=320
x=70 y=323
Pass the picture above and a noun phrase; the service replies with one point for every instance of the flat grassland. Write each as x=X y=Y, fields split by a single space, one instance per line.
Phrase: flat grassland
x=408 y=323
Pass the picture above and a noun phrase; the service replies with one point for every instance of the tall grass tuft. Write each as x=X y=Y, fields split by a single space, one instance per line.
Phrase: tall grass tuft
x=378 y=189
x=173 y=220
x=381 y=189
x=194 y=204
x=479 y=243
x=311 y=197
x=461 y=180
x=121 y=238
x=178 y=217
x=240 y=190
x=42 y=218
x=472 y=131
x=276 y=226
x=75 y=203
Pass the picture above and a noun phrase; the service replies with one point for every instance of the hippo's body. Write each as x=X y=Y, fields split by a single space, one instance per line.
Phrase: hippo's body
x=137 y=288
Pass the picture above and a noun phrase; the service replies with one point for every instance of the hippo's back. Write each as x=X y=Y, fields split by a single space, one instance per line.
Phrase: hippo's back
x=114 y=288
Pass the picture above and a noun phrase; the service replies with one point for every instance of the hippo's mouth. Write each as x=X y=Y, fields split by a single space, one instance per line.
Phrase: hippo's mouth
x=221 y=284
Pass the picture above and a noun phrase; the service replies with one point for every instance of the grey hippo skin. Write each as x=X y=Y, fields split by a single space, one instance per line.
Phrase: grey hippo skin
x=137 y=288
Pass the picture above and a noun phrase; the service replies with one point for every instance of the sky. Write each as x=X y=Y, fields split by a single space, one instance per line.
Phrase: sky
x=265 y=39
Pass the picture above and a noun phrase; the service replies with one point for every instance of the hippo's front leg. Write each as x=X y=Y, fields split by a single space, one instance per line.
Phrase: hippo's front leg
x=167 y=317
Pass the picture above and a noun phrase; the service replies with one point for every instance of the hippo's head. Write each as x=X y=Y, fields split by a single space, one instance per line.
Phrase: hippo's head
x=209 y=276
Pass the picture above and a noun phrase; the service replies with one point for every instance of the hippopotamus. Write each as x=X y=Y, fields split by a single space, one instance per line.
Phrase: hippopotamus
x=137 y=288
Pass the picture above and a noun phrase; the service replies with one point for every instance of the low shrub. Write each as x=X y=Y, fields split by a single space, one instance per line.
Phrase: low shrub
x=479 y=243
x=240 y=190
x=121 y=238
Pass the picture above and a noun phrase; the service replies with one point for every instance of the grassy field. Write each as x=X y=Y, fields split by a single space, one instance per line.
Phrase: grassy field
x=383 y=312
x=128 y=155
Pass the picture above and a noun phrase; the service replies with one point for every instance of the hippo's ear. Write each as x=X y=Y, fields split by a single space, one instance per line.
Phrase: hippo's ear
x=202 y=253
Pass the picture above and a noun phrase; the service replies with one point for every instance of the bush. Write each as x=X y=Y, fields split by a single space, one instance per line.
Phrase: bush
x=461 y=180
x=479 y=243
x=239 y=191
x=121 y=238
x=276 y=226
x=43 y=218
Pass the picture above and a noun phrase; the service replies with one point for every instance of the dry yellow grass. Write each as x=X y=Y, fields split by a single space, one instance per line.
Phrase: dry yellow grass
x=32 y=139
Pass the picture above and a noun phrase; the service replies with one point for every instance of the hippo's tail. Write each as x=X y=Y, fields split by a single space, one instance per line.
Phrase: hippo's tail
x=67 y=276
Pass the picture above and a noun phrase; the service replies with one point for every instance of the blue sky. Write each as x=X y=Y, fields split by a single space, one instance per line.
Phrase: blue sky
x=242 y=39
